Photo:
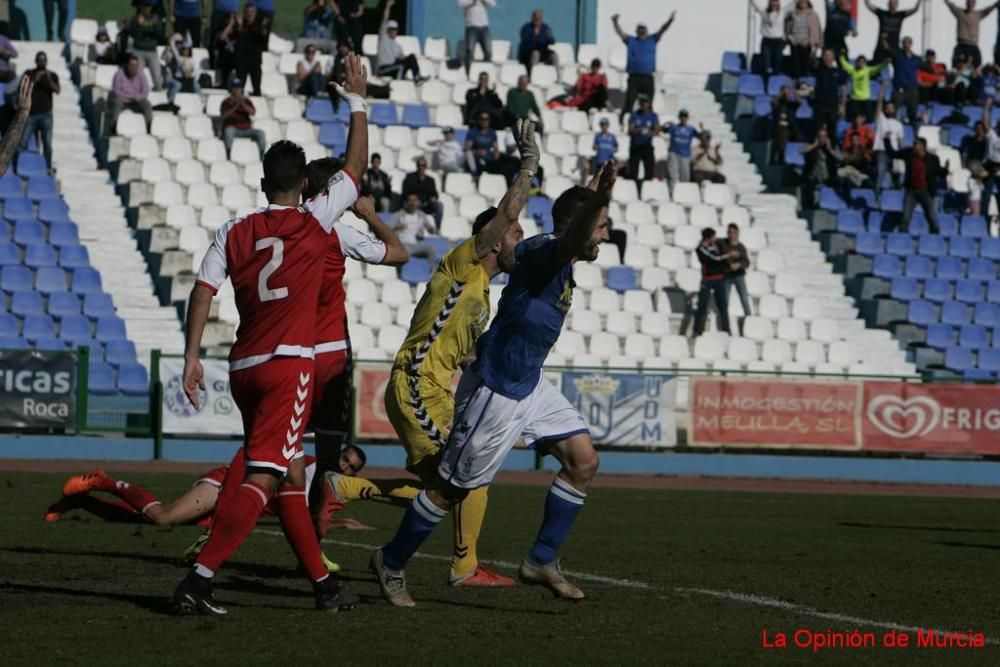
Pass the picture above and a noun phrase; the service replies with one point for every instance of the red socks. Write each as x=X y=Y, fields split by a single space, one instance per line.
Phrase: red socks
x=298 y=527
x=137 y=497
x=234 y=521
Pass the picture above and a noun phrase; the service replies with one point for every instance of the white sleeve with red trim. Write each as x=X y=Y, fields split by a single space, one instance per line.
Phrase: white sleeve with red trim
x=340 y=194
x=358 y=245
x=214 y=267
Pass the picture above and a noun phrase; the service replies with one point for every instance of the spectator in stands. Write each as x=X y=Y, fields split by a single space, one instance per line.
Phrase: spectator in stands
x=249 y=37
x=590 y=91
x=890 y=26
x=932 y=78
x=992 y=163
x=784 y=106
x=922 y=179
x=905 y=64
x=860 y=129
x=422 y=184
x=411 y=225
x=738 y=264
x=46 y=84
x=830 y=94
x=537 y=39
x=974 y=147
x=156 y=7
x=317 y=19
x=861 y=84
x=617 y=238
x=309 y=73
x=237 y=119
x=391 y=61
x=977 y=183
x=450 y=154
x=804 y=35
x=965 y=81
x=643 y=125
x=707 y=161
x=477 y=29
x=887 y=126
x=822 y=162
x=682 y=135
x=714 y=269
x=484 y=99
x=481 y=148
x=967 y=30
x=839 y=24
x=348 y=21
x=641 y=63
x=182 y=71
x=146 y=31
x=605 y=146
x=187 y=19
x=129 y=90
x=857 y=165
x=521 y=104
x=377 y=184
x=7 y=51
x=103 y=49
x=50 y=7
x=772 y=35
x=223 y=11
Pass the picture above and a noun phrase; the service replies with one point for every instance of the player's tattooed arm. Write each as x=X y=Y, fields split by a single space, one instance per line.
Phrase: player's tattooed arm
x=514 y=201
x=199 y=304
x=396 y=253
x=12 y=139
x=581 y=228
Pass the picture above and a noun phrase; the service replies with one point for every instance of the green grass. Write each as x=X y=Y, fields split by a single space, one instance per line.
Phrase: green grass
x=87 y=591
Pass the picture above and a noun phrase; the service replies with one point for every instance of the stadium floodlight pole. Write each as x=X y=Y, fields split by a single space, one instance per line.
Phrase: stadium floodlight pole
x=12 y=140
x=926 y=24
x=751 y=30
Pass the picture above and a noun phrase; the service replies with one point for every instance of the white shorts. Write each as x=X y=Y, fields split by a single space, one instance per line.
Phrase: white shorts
x=487 y=425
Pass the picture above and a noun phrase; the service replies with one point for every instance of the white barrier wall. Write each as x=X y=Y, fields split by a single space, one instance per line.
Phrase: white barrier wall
x=704 y=29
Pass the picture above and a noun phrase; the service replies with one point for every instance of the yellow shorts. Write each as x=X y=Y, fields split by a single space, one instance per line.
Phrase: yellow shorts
x=421 y=412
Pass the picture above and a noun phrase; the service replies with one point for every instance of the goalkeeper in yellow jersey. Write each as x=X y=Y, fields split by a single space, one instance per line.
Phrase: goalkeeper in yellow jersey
x=450 y=317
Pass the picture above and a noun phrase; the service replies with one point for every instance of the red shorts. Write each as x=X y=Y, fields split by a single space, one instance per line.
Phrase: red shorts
x=274 y=400
x=215 y=477
x=331 y=407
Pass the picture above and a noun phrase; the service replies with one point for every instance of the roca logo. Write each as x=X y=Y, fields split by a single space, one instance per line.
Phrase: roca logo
x=177 y=402
x=904 y=418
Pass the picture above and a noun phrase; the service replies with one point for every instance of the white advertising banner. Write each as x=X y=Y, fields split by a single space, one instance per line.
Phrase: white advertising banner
x=217 y=413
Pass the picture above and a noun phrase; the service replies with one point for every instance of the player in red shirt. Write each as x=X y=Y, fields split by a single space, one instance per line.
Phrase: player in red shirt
x=274 y=258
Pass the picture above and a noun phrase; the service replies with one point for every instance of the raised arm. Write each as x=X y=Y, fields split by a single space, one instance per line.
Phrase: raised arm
x=871 y=7
x=12 y=138
x=581 y=227
x=396 y=253
x=910 y=12
x=758 y=9
x=353 y=91
x=618 y=28
x=665 y=26
x=386 y=11
x=513 y=202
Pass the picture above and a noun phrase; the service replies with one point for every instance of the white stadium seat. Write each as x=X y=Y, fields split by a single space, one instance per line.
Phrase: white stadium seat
x=131 y=124
x=604 y=301
x=213 y=217
x=791 y=329
x=620 y=323
x=585 y=321
x=177 y=149
x=203 y=195
x=167 y=193
x=165 y=125
x=181 y=215
x=190 y=172
x=687 y=194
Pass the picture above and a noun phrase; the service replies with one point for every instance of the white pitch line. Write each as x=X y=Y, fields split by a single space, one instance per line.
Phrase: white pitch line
x=816 y=613
x=507 y=565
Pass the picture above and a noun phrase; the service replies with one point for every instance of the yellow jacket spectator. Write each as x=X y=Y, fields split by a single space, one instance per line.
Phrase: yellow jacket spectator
x=861 y=74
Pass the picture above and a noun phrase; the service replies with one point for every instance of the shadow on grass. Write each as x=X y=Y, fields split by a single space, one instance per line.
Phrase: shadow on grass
x=890 y=526
x=968 y=545
x=158 y=604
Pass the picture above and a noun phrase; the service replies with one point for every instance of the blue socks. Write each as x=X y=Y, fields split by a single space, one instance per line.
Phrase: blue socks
x=420 y=520
x=562 y=504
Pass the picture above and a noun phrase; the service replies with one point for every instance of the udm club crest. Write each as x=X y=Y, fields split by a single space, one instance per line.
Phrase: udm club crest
x=625 y=409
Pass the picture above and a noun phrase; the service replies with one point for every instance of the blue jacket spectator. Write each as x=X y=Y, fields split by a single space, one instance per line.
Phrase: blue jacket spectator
x=641 y=62
x=317 y=18
x=643 y=125
x=187 y=20
x=481 y=147
x=839 y=24
x=605 y=145
x=905 y=64
x=682 y=136
x=537 y=39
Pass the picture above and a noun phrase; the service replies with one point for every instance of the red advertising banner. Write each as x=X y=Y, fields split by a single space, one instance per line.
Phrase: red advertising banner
x=370 y=420
x=931 y=418
x=774 y=413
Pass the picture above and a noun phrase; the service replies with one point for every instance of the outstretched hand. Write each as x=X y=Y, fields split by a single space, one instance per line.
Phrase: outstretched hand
x=602 y=175
x=355 y=80
x=527 y=146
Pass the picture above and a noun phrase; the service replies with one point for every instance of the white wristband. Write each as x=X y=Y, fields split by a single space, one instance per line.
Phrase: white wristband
x=355 y=103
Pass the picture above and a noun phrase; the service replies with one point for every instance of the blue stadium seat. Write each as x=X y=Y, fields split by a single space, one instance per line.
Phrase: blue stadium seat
x=38 y=326
x=974 y=226
x=98 y=304
x=962 y=246
x=733 y=62
x=793 y=154
x=931 y=245
x=804 y=112
x=11 y=186
x=949 y=268
x=50 y=344
x=13 y=343
x=955 y=313
x=986 y=314
x=9 y=327
x=4 y=232
x=383 y=114
x=751 y=85
x=762 y=106
x=974 y=336
x=922 y=313
x=416 y=116
x=101 y=379
x=86 y=281
x=27 y=302
x=863 y=197
x=622 y=278
x=959 y=359
x=936 y=289
x=969 y=291
x=111 y=328
x=980 y=268
x=417 y=270
x=133 y=380
x=886 y=266
x=899 y=244
x=9 y=255
x=42 y=187
x=18 y=208
x=918 y=225
x=439 y=243
x=850 y=221
x=993 y=291
x=829 y=200
x=891 y=201
x=63 y=234
x=74 y=257
x=776 y=82
x=868 y=243
x=50 y=279
x=974 y=112
x=28 y=231
x=75 y=328
x=940 y=336
x=16 y=278
x=38 y=255
x=320 y=111
x=989 y=359
x=332 y=134
x=990 y=248
x=956 y=133
x=53 y=210
x=120 y=352
x=63 y=304
x=948 y=224
x=904 y=289
x=30 y=164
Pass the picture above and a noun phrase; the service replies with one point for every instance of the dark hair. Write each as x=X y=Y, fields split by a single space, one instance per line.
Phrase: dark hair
x=733 y=225
x=922 y=141
x=377 y=156
x=596 y=62
x=566 y=206
x=319 y=172
x=707 y=233
x=128 y=57
x=931 y=53
x=284 y=167
x=483 y=219
x=360 y=452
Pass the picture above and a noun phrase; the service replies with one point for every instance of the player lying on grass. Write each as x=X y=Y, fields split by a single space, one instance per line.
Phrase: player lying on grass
x=504 y=395
x=446 y=324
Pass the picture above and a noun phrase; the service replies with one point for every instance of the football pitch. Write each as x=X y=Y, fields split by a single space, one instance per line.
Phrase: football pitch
x=690 y=577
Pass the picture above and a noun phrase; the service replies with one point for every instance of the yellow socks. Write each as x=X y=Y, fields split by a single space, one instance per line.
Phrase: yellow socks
x=467 y=518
